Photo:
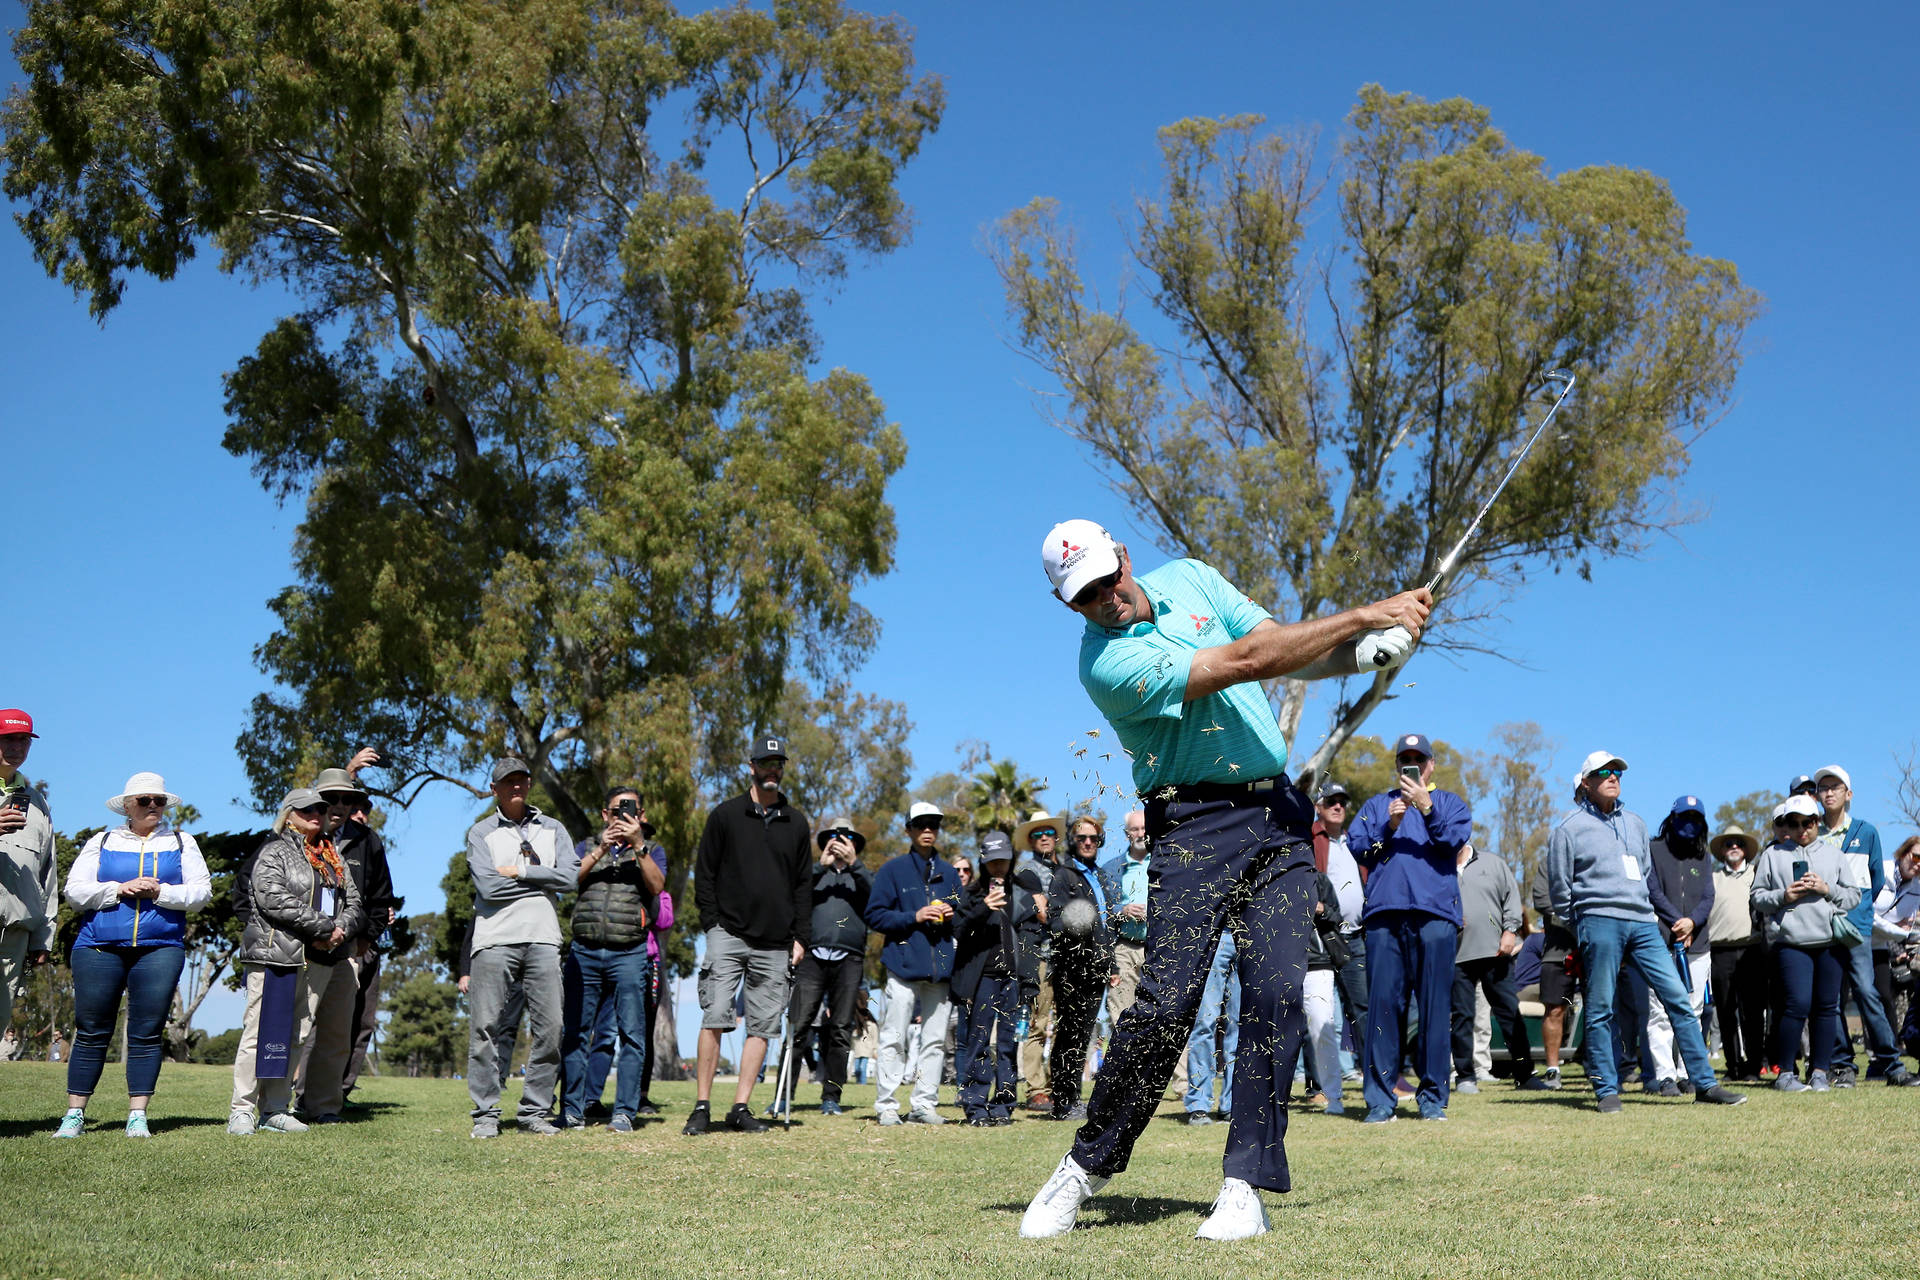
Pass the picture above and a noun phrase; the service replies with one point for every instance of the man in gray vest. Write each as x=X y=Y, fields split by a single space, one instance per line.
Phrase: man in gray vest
x=521 y=862
x=621 y=874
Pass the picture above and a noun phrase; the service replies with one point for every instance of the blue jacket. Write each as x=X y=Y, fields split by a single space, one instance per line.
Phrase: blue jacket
x=1416 y=867
x=114 y=857
x=1860 y=842
x=915 y=950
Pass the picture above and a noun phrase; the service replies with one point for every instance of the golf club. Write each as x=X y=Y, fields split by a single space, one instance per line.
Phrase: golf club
x=1374 y=645
x=785 y=1087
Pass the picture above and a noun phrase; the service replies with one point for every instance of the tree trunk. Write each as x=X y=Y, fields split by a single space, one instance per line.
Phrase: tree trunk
x=1345 y=727
x=666 y=1037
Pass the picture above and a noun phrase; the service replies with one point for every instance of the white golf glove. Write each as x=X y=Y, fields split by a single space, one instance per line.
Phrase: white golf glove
x=1383 y=649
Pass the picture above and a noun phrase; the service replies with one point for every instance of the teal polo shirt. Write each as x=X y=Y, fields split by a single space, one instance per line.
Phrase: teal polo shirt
x=1137 y=677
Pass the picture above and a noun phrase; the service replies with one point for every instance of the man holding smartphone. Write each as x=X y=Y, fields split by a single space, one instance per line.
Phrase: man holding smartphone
x=29 y=874
x=1409 y=840
x=830 y=972
x=1597 y=860
x=915 y=901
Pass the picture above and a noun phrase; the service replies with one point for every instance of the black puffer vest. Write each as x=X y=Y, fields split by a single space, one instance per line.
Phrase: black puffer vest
x=611 y=911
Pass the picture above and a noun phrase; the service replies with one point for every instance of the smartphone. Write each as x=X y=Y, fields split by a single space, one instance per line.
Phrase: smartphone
x=1799 y=868
x=628 y=808
x=1410 y=771
x=17 y=799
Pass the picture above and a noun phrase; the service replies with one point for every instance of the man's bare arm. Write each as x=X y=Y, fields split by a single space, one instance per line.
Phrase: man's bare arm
x=1312 y=650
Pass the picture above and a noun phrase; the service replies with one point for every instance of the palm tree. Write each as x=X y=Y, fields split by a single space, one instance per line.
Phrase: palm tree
x=999 y=797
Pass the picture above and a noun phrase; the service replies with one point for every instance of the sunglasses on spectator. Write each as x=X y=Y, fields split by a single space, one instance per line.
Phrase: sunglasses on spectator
x=1337 y=802
x=1606 y=773
x=311 y=809
x=924 y=824
x=1086 y=837
x=1095 y=589
x=527 y=852
x=152 y=802
x=1800 y=823
x=1040 y=832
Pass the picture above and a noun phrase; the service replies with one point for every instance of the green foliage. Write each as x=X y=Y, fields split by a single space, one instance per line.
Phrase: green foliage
x=1000 y=796
x=425 y=1034
x=1522 y=799
x=571 y=483
x=218 y=1050
x=1753 y=811
x=1325 y=456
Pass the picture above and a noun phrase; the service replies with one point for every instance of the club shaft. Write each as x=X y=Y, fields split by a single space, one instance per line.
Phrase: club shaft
x=1566 y=389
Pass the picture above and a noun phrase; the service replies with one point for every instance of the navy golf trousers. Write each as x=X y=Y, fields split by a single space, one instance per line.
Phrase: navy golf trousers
x=1235 y=859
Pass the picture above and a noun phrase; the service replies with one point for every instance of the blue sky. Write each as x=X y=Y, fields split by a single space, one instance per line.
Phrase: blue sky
x=1764 y=640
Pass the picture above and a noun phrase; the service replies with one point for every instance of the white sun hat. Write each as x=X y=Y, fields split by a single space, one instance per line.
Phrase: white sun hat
x=142 y=784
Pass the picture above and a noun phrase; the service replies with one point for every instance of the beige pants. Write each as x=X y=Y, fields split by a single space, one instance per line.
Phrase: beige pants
x=319 y=1079
x=13 y=969
x=1033 y=1050
x=270 y=1097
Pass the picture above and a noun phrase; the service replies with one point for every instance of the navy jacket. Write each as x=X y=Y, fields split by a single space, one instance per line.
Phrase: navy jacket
x=915 y=950
x=1072 y=879
x=1681 y=886
x=1416 y=867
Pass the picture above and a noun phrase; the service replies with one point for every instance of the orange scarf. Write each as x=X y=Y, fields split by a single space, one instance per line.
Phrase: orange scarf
x=327 y=862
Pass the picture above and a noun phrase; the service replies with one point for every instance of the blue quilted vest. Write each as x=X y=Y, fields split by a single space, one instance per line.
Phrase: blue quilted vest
x=138 y=923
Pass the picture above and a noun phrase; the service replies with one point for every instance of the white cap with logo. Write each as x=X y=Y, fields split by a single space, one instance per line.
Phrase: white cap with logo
x=1075 y=553
x=1801 y=805
x=1833 y=771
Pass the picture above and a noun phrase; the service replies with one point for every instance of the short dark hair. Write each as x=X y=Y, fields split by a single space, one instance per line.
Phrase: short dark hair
x=617 y=792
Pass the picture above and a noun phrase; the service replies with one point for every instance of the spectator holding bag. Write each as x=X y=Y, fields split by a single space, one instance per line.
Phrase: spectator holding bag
x=133 y=886
x=299 y=898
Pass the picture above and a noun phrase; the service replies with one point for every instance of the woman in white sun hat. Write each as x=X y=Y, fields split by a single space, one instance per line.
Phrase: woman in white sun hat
x=133 y=886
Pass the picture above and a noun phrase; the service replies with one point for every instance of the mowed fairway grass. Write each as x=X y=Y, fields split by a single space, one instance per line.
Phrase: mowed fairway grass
x=1513 y=1185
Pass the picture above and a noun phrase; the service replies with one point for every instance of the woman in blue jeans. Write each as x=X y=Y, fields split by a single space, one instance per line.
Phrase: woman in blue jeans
x=134 y=886
x=1797 y=890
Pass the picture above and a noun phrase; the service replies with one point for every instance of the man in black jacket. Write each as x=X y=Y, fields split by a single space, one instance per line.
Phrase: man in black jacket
x=1681 y=889
x=320 y=1080
x=753 y=884
x=1082 y=966
x=621 y=875
x=830 y=972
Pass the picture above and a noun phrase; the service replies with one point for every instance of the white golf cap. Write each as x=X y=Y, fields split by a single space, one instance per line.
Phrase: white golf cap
x=1075 y=553
x=1805 y=806
x=1600 y=760
x=1833 y=771
x=921 y=809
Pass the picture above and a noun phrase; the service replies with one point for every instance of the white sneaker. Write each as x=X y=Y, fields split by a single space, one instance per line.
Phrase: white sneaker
x=283 y=1122
x=240 y=1123
x=1057 y=1207
x=1238 y=1214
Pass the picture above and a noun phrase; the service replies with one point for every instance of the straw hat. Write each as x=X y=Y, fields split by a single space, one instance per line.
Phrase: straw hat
x=1040 y=818
x=1734 y=833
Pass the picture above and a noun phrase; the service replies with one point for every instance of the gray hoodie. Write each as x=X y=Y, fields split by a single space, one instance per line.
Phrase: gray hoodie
x=1807 y=923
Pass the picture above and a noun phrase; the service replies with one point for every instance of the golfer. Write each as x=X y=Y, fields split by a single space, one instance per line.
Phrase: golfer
x=1174 y=661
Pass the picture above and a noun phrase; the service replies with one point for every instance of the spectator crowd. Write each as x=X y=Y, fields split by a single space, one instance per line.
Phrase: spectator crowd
x=1640 y=944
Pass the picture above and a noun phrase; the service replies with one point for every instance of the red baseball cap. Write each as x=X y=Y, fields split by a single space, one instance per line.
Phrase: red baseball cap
x=14 y=720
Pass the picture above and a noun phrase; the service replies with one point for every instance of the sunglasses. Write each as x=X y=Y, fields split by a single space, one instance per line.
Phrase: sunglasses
x=1095 y=589
x=312 y=810
x=1086 y=839
x=924 y=824
x=1042 y=833
x=152 y=802
x=1606 y=773
x=1336 y=802
x=1799 y=824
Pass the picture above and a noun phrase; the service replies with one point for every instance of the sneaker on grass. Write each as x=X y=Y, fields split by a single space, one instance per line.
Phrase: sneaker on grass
x=1057 y=1205
x=1238 y=1214
x=742 y=1120
x=1719 y=1095
x=1790 y=1083
x=539 y=1126
x=700 y=1120
x=73 y=1123
x=486 y=1127
x=282 y=1122
x=240 y=1123
x=137 y=1125
x=1610 y=1105
x=622 y=1123
x=925 y=1115
x=1550 y=1078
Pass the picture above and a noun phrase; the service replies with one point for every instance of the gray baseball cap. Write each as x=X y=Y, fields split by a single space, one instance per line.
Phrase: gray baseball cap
x=507 y=766
x=995 y=846
x=1330 y=790
x=302 y=798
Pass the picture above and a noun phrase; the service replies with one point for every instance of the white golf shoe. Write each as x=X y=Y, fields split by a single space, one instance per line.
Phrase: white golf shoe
x=1238 y=1214
x=1057 y=1207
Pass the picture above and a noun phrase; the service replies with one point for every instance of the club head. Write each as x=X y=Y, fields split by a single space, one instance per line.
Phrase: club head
x=1560 y=378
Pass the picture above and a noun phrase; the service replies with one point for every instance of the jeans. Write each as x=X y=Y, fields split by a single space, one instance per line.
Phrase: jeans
x=1606 y=943
x=1409 y=948
x=148 y=976
x=1219 y=999
x=1810 y=985
x=603 y=1043
x=1857 y=963
x=986 y=1060
x=1494 y=976
x=594 y=977
x=530 y=970
x=896 y=1028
